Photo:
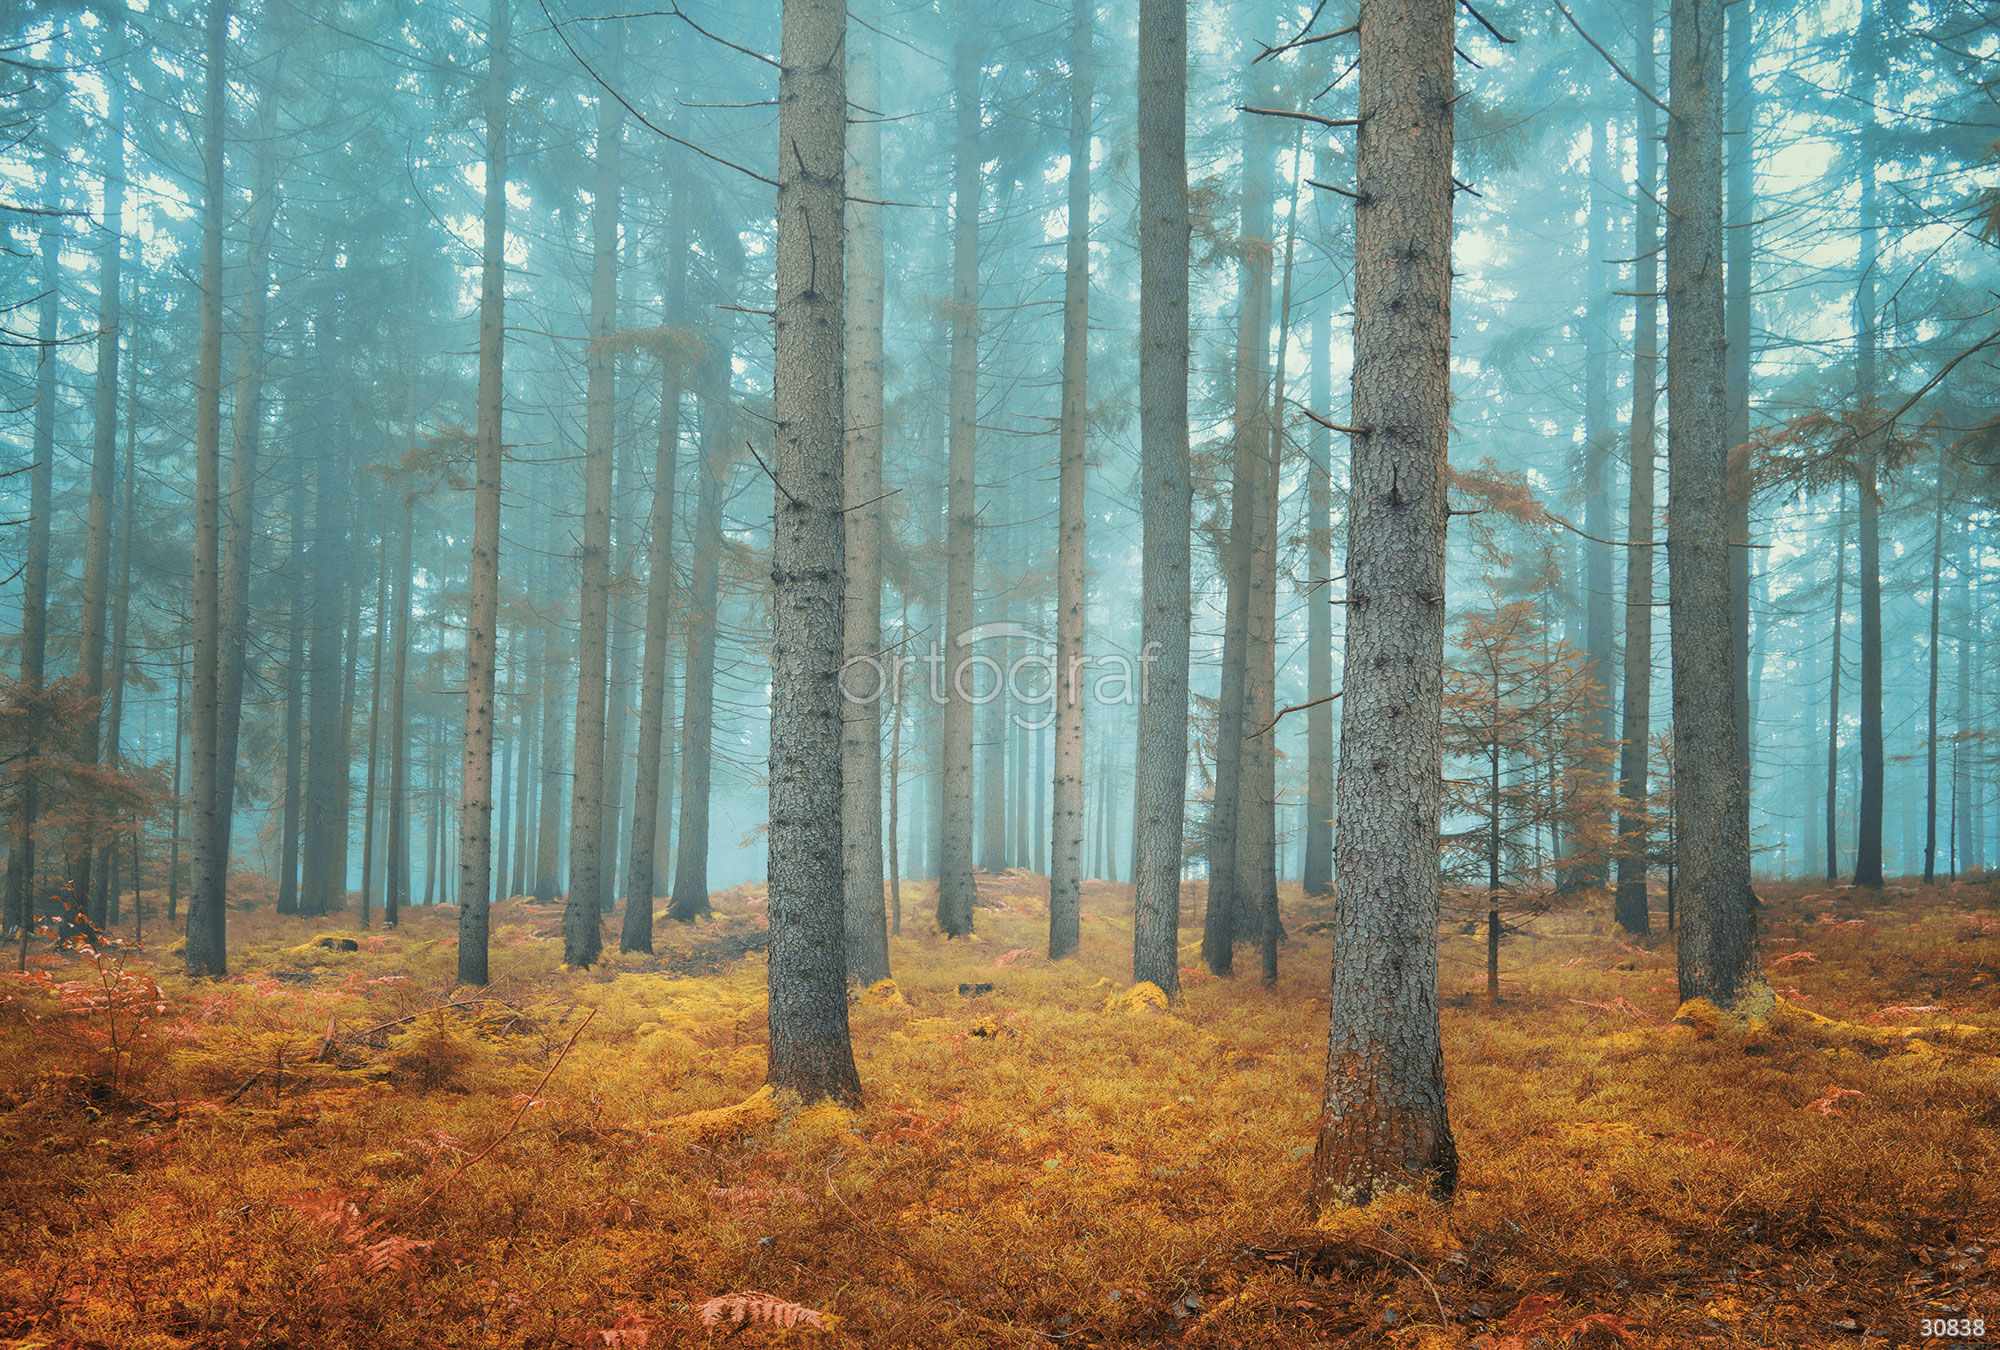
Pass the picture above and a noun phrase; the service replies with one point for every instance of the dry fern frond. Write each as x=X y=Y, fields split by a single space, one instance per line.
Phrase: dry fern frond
x=751 y=1306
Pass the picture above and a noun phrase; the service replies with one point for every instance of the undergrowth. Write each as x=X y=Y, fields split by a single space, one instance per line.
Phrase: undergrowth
x=336 y=1148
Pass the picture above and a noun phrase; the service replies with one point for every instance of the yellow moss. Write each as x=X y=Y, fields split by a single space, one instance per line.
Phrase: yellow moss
x=719 y=1126
x=884 y=994
x=1142 y=997
x=1697 y=1018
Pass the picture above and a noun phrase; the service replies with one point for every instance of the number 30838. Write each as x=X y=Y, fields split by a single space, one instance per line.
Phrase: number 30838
x=1954 y=1326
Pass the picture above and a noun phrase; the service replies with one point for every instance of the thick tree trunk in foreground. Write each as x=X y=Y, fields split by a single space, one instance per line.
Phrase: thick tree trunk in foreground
x=207 y=904
x=1868 y=474
x=1718 y=947
x=583 y=924
x=1066 y=832
x=955 y=884
x=810 y=1051
x=1384 y=1126
x=1629 y=906
x=861 y=727
x=1166 y=494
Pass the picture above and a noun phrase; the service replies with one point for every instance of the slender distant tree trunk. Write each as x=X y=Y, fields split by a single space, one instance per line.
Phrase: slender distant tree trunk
x=1738 y=242
x=583 y=926
x=1868 y=470
x=618 y=687
x=955 y=884
x=23 y=901
x=121 y=614
x=374 y=711
x=1066 y=833
x=1166 y=494
x=690 y=897
x=1231 y=904
x=1931 y=725
x=103 y=472
x=1257 y=836
x=1635 y=843
x=810 y=1051
x=1833 y=693
x=506 y=745
x=895 y=795
x=636 y=935
x=1383 y=1126
x=1962 y=822
x=554 y=784
x=240 y=509
x=323 y=851
x=180 y=755
x=295 y=664
x=526 y=774
x=1718 y=940
x=396 y=881
x=866 y=683
x=1317 y=865
x=1600 y=625
x=207 y=905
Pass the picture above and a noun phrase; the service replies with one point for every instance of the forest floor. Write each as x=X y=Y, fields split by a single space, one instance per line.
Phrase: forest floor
x=335 y=1148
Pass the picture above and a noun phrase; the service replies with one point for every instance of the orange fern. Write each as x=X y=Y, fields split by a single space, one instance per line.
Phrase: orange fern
x=751 y=1306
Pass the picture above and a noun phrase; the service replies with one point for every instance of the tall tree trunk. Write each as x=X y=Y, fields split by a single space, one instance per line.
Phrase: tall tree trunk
x=1166 y=495
x=1257 y=835
x=1931 y=723
x=1600 y=625
x=554 y=784
x=1317 y=865
x=103 y=473
x=810 y=1051
x=374 y=711
x=1833 y=693
x=1383 y=1126
x=1718 y=943
x=475 y=812
x=23 y=899
x=1963 y=827
x=323 y=853
x=955 y=884
x=654 y=707
x=121 y=615
x=690 y=897
x=506 y=752
x=396 y=881
x=1738 y=241
x=583 y=926
x=896 y=794
x=1868 y=472
x=861 y=712
x=207 y=904
x=1231 y=904
x=246 y=438
x=1635 y=843
x=296 y=612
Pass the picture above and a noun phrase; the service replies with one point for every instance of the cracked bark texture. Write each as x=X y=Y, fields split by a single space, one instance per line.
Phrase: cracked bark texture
x=1166 y=493
x=810 y=1051
x=1383 y=1126
x=1718 y=958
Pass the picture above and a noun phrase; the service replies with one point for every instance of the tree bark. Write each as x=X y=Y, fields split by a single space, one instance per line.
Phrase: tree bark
x=23 y=899
x=583 y=926
x=1833 y=693
x=1317 y=865
x=103 y=475
x=636 y=934
x=1384 y=1125
x=810 y=1051
x=1718 y=940
x=955 y=884
x=1868 y=473
x=866 y=684
x=396 y=881
x=296 y=611
x=1931 y=723
x=1066 y=832
x=207 y=903
x=1166 y=494
x=1738 y=249
x=1600 y=626
x=690 y=897
x=1231 y=902
x=1635 y=843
